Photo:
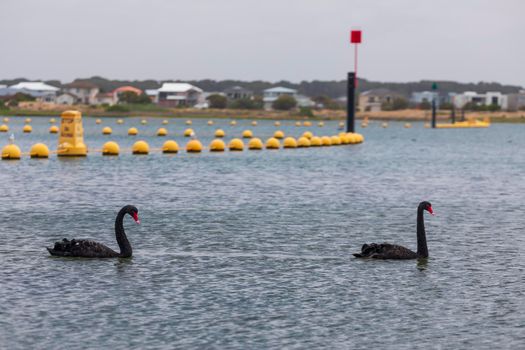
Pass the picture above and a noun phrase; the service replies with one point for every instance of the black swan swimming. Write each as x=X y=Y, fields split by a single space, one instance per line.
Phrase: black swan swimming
x=393 y=251
x=89 y=249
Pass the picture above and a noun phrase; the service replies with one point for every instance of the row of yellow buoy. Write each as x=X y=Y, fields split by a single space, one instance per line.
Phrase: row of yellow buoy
x=40 y=150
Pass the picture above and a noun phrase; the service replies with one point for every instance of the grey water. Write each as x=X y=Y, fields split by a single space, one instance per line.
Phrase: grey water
x=252 y=250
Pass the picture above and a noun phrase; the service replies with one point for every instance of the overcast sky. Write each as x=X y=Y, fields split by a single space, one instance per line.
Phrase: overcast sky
x=403 y=40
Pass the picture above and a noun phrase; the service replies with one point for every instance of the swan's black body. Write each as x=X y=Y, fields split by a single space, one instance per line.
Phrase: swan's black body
x=392 y=251
x=89 y=249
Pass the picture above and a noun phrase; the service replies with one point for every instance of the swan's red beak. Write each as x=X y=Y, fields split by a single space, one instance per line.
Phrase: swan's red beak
x=429 y=208
x=136 y=218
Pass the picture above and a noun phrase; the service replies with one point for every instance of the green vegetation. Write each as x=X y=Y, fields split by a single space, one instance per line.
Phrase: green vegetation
x=284 y=103
x=326 y=102
x=133 y=98
x=217 y=101
x=247 y=103
x=395 y=105
x=481 y=108
x=117 y=108
x=306 y=112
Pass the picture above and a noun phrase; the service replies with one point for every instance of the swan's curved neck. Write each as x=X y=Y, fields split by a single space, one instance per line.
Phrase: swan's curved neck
x=122 y=240
x=422 y=250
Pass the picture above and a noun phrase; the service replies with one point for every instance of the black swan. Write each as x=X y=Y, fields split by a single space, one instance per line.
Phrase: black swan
x=392 y=251
x=89 y=249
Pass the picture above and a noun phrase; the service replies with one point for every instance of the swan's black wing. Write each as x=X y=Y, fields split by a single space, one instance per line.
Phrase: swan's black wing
x=82 y=248
x=385 y=251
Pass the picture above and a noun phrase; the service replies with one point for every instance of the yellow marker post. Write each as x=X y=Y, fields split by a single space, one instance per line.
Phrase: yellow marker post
x=71 y=139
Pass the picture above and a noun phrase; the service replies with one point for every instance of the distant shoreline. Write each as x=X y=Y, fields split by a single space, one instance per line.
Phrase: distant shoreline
x=401 y=115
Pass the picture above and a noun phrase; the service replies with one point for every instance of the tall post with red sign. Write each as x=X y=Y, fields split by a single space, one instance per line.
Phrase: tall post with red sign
x=355 y=38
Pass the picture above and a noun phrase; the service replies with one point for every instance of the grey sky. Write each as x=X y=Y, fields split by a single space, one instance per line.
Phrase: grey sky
x=404 y=40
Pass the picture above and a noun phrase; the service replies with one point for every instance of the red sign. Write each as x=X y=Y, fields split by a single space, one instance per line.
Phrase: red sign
x=355 y=37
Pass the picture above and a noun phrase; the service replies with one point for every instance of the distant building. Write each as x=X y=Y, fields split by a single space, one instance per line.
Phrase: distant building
x=423 y=96
x=152 y=94
x=105 y=98
x=85 y=91
x=304 y=101
x=272 y=94
x=371 y=100
x=179 y=94
x=237 y=93
x=486 y=99
x=516 y=101
x=66 y=98
x=37 y=89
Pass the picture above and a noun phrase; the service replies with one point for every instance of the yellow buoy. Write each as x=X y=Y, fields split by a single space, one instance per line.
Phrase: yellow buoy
x=236 y=145
x=39 y=150
x=277 y=123
x=53 y=129
x=341 y=124
x=345 y=140
x=297 y=123
x=4 y=128
x=272 y=143
x=143 y=122
x=165 y=122
x=170 y=146
x=28 y=120
x=336 y=140
x=233 y=122
x=6 y=120
x=278 y=134
x=326 y=141
x=307 y=123
x=352 y=138
x=140 y=147
x=255 y=144
x=189 y=122
x=98 y=121
x=133 y=131
x=219 y=133
x=110 y=148
x=210 y=122
x=120 y=121
x=303 y=142
x=52 y=120
x=408 y=125
x=162 y=132
x=71 y=139
x=320 y=124
x=107 y=130
x=217 y=145
x=308 y=134
x=316 y=141
x=289 y=142
x=188 y=132
x=27 y=128
x=360 y=138
x=11 y=151
x=247 y=134
x=384 y=125
x=194 y=146
x=254 y=123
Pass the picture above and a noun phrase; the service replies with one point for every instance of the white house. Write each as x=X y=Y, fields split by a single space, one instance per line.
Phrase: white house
x=179 y=94
x=272 y=94
x=487 y=99
x=85 y=91
x=38 y=89
x=66 y=99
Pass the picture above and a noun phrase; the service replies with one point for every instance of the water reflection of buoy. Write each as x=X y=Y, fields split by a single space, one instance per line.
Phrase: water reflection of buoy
x=247 y=134
x=39 y=150
x=27 y=128
x=4 y=128
x=133 y=131
x=272 y=143
x=140 y=147
x=289 y=142
x=110 y=148
x=107 y=130
x=217 y=145
x=170 y=146
x=11 y=151
x=278 y=134
x=255 y=144
x=303 y=142
x=194 y=146
x=162 y=132
x=188 y=132
x=308 y=134
x=219 y=133
x=316 y=141
x=236 y=145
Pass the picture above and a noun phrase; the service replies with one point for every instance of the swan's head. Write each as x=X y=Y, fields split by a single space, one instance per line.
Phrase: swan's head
x=426 y=206
x=133 y=211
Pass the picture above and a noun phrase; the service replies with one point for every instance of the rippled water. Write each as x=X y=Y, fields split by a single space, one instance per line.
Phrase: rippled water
x=253 y=249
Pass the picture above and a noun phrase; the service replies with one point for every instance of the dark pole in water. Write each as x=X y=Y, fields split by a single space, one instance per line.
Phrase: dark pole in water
x=453 y=114
x=434 y=88
x=350 y=103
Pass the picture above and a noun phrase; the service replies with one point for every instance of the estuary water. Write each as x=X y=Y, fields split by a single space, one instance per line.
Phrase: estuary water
x=252 y=250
